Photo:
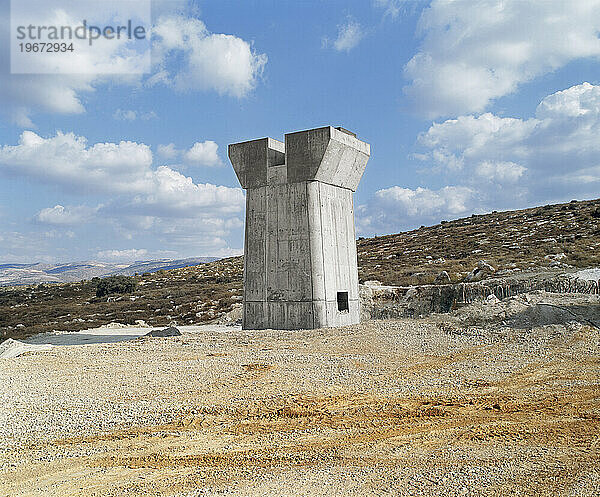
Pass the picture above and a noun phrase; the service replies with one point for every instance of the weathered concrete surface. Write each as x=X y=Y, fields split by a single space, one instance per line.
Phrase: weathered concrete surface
x=300 y=268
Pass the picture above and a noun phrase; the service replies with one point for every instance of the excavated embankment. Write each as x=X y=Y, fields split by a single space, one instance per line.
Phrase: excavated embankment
x=385 y=302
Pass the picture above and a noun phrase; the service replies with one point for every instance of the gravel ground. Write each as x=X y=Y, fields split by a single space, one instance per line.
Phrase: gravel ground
x=448 y=405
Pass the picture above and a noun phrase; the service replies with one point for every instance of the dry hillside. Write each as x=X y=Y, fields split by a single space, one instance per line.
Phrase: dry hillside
x=525 y=239
x=560 y=235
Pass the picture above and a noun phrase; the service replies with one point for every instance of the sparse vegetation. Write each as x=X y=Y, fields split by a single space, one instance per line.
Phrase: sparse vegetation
x=115 y=285
x=510 y=241
x=189 y=295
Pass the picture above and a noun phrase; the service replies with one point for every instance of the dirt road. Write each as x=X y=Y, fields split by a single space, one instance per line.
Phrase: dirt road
x=408 y=407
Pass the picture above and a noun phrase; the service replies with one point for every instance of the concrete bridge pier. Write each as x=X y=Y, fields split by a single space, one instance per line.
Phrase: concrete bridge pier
x=300 y=266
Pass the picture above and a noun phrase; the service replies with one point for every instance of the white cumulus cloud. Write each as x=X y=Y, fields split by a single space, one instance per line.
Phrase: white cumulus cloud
x=123 y=169
x=500 y=172
x=67 y=160
x=122 y=255
x=495 y=162
x=22 y=95
x=60 y=215
x=475 y=52
x=186 y=56
x=137 y=199
x=577 y=101
x=426 y=202
x=171 y=194
x=551 y=156
x=396 y=208
x=168 y=152
x=204 y=154
x=205 y=61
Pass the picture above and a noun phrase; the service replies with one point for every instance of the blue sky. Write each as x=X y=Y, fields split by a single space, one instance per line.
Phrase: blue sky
x=469 y=106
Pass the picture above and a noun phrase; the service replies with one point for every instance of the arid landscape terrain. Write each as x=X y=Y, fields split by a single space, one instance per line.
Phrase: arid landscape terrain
x=497 y=397
x=557 y=237
x=300 y=249
x=438 y=406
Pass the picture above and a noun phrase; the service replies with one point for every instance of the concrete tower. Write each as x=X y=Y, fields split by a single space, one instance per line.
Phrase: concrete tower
x=300 y=266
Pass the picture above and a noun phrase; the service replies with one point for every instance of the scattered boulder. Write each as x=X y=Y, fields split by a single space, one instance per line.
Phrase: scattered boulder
x=171 y=331
x=484 y=266
x=557 y=260
x=558 y=264
x=234 y=316
x=442 y=279
x=481 y=271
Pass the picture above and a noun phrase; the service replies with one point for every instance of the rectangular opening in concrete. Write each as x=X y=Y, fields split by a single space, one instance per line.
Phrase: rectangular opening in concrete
x=342 y=301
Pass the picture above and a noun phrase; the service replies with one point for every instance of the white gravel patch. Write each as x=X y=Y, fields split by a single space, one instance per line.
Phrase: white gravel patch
x=592 y=274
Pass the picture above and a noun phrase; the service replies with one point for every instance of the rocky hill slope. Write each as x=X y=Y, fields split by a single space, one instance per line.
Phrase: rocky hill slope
x=554 y=237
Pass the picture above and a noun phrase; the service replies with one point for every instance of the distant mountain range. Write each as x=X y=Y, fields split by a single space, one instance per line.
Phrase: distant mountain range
x=27 y=274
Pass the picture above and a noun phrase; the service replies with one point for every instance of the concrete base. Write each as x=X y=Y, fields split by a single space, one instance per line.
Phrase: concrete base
x=297 y=315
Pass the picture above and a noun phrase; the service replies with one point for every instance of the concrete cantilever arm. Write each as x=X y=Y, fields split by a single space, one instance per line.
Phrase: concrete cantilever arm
x=251 y=160
x=328 y=154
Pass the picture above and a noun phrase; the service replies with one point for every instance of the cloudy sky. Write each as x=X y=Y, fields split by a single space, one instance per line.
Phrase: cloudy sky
x=469 y=106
